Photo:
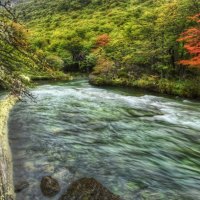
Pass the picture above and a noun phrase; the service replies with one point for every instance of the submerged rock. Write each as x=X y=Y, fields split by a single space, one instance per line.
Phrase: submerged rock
x=49 y=186
x=88 y=189
x=21 y=186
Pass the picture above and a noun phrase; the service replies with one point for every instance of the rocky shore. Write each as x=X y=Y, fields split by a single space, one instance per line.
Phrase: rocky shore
x=6 y=178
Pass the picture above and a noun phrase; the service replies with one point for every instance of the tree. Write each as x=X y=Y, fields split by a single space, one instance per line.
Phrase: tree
x=15 y=52
x=191 y=38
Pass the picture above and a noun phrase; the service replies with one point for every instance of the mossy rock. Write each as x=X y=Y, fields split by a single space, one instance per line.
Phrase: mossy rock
x=88 y=189
x=49 y=186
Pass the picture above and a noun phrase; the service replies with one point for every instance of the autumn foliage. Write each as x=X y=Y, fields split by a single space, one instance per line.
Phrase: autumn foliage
x=102 y=40
x=191 y=37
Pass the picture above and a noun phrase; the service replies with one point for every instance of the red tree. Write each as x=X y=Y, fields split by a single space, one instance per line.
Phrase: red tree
x=191 y=37
x=102 y=40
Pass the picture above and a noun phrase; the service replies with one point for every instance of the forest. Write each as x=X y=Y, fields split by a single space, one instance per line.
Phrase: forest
x=147 y=44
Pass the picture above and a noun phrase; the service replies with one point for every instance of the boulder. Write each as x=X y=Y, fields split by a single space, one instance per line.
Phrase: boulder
x=88 y=189
x=49 y=186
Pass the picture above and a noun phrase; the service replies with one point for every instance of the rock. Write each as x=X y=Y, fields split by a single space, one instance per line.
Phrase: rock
x=21 y=186
x=88 y=189
x=49 y=186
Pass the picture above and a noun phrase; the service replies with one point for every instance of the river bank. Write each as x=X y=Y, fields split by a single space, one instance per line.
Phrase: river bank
x=187 y=88
x=6 y=169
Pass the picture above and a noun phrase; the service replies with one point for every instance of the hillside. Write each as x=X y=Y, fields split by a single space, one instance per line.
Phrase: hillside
x=126 y=42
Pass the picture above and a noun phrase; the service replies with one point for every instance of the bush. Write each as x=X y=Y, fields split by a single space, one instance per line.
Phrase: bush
x=88 y=63
x=55 y=62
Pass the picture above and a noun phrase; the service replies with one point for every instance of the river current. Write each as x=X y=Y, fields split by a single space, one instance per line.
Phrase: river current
x=139 y=146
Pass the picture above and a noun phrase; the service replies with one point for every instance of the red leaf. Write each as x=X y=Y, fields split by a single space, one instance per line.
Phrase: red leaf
x=191 y=37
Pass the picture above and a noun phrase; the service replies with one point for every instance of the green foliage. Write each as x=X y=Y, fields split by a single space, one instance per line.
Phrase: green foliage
x=55 y=61
x=142 y=36
x=15 y=52
x=88 y=63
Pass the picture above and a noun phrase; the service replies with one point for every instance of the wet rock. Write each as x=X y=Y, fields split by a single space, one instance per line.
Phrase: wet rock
x=49 y=186
x=21 y=186
x=88 y=189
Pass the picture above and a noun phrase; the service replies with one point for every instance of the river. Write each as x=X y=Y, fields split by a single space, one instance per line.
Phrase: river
x=140 y=146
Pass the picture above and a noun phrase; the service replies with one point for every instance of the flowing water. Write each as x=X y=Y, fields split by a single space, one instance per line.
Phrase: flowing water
x=139 y=146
